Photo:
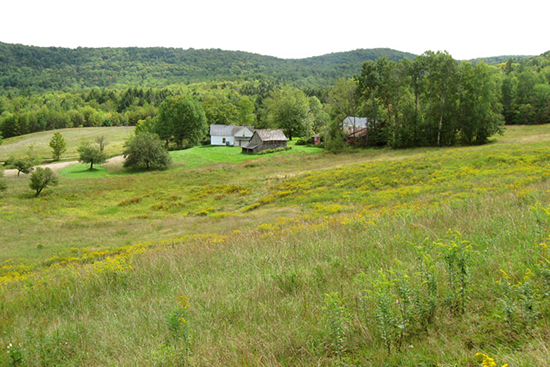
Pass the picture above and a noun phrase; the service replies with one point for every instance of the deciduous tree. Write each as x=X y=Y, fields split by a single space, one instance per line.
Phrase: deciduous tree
x=287 y=109
x=58 y=145
x=42 y=178
x=22 y=165
x=102 y=142
x=182 y=120
x=91 y=154
x=145 y=151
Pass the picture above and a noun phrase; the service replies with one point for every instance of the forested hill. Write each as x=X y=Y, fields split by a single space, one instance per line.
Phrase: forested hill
x=34 y=68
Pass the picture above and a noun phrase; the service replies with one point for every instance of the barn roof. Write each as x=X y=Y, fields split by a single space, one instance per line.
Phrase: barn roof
x=358 y=122
x=271 y=135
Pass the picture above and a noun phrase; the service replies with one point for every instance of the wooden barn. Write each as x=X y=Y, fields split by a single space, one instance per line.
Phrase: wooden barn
x=265 y=139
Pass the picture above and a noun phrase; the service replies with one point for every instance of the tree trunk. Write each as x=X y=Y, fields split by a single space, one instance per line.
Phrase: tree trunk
x=440 y=127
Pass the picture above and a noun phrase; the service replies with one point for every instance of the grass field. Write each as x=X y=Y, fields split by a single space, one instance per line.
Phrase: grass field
x=421 y=257
x=18 y=146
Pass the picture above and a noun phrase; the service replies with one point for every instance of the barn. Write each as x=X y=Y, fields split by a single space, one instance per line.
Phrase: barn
x=265 y=139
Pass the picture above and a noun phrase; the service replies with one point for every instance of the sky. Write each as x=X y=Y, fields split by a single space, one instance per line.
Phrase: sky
x=285 y=28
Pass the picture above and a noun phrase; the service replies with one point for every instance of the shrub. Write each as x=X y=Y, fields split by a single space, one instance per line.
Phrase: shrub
x=145 y=151
x=42 y=178
x=275 y=150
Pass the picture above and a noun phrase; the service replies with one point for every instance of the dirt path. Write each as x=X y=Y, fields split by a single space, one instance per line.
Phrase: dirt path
x=58 y=166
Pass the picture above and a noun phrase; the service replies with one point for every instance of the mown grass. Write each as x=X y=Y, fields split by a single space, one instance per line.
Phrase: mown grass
x=18 y=146
x=294 y=259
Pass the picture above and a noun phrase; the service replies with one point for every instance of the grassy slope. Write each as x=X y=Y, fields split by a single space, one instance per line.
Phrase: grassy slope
x=285 y=231
x=18 y=146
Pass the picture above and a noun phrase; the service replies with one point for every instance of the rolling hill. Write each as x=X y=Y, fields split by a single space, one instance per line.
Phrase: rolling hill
x=53 y=68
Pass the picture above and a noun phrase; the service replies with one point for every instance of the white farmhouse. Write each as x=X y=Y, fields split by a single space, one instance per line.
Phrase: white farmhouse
x=230 y=135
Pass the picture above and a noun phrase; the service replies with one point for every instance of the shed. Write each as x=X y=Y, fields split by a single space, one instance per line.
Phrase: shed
x=265 y=139
x=316 y=139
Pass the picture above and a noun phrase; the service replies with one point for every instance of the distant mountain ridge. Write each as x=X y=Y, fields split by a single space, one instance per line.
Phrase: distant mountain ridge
x=55 y=68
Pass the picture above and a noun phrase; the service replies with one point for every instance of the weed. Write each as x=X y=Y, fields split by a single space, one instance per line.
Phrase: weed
x=456 y=253
x=337 y=323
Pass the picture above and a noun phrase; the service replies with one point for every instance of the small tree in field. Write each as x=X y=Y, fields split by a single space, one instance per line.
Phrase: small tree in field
x=23 y=164
x=3 y=185
x=91 y=154
x=145 y=151
x=41 y=178
x=58 y=145
x=20 y=164
x=102 y=142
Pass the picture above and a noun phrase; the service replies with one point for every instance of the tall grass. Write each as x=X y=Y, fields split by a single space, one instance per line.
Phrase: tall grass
x=332 y=267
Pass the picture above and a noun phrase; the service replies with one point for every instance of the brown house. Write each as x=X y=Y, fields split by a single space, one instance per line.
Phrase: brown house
x=265 y=139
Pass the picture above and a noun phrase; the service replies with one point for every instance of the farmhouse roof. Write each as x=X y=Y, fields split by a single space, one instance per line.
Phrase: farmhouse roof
x=228 y=130
x=271 y=135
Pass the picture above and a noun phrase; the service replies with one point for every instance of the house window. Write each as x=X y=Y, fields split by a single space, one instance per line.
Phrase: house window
x=223 y=141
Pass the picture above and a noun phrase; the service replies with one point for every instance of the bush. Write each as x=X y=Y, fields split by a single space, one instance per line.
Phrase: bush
x=42 y=178
x=301 y=141
x=145 y=151
x=275 y=150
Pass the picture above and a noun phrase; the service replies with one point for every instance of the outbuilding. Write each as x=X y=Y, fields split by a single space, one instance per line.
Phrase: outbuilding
x=265 y=139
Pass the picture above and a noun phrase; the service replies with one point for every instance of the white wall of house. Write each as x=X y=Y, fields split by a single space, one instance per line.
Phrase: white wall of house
x=242 y=137
x=222 y=140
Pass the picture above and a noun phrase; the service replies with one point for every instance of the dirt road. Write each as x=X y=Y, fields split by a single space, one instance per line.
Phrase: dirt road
x=58 y=166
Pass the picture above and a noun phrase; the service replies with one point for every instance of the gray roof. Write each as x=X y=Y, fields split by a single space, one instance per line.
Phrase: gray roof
x=352 y=121
x=227 y=130
x=271 y=135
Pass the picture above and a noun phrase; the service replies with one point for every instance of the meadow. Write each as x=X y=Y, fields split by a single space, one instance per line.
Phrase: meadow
x=18 y=146
x=420 y=257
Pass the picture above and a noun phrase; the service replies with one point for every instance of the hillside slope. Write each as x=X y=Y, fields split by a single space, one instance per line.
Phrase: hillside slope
x=54 y=68
x=418 y=257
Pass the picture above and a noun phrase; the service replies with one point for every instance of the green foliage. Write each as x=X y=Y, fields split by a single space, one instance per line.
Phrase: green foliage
x=274 y=150
x=337 y=321
x=42 y=178
x=102 y=142
x=287 y=109
x=181 y=120
x=456 y=254
x=91 y=154
x=3 y=185
x=120 y=243
x=430 y=101
x=335 y=137
x=149 y=125
x=23 y=164
x=525 y=88
x=301 y=141
x=58 y=145
x=41 y=68
x=145 y=151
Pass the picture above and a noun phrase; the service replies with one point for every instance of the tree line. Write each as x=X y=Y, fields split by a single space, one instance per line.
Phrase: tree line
x=431 y=100
x=39 y=69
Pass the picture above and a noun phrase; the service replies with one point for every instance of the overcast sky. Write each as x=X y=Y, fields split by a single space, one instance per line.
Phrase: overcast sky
x=285 y=28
